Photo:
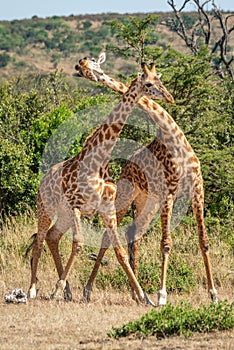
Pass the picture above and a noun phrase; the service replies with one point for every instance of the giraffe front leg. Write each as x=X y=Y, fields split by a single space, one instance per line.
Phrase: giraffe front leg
x=133 y=249
x=146 y=209
x=124 y=262
x=53 y=244
x=111 y=228
x=62 y=285
x=122 y=257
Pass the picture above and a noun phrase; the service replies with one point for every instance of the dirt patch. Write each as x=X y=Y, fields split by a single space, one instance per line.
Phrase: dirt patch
x=45 y=324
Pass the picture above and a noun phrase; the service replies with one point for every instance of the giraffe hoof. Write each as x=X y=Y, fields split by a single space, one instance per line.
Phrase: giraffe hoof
x=86 y=294
x=148 y=301
x=214 y=296
x=60 y=287
x=67 y=296
x=162 y=298
x=32 y=293
x=67 y=292
x=135 y=297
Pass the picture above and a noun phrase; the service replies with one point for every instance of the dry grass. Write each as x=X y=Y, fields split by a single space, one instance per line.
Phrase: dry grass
x=45 y=324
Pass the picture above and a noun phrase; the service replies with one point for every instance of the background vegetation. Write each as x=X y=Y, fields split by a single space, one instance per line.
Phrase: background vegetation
x=37 y=96
x=33 y=105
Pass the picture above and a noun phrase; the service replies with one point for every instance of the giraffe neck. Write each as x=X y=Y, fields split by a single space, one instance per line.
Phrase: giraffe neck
x=112 y=83
x=98 y=147
x=170 y=132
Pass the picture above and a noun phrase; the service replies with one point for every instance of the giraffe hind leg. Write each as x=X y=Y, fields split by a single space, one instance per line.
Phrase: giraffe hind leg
x=77 y=246
x=204 y=246
x=166 y=246
x=88 y=288
x=43 y=226
x=53 y=237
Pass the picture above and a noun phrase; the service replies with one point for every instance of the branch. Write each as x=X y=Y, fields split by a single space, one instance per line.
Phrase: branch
x=223 y=41
x=180 y=27
x=202 y=15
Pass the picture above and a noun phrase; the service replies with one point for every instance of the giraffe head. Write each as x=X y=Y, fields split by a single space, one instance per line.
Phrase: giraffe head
x=152 y=85
x=89 y=68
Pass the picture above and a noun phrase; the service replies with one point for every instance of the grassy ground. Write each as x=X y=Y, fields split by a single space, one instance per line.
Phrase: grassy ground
x=46 y=324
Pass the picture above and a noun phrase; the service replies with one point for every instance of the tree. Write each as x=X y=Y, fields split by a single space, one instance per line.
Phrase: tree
x=202 y=32
x=134 y=34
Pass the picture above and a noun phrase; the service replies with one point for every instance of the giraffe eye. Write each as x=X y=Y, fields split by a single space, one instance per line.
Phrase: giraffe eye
x=148 y=85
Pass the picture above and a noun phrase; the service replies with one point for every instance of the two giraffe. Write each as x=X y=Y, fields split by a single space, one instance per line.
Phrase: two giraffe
x=155 y=177
x=82 y=186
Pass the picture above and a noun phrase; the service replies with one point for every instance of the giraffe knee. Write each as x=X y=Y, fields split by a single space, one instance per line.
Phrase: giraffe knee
x=204 y=244
x=204 y=247
x=166 y=246
x=79 y=248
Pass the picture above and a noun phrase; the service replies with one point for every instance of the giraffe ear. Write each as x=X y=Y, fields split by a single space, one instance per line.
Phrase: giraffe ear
x=159 y=75
x=101 y=58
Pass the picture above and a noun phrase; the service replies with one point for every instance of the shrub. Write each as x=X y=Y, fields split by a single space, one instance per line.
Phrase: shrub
x=181 y=319
x=4 y=59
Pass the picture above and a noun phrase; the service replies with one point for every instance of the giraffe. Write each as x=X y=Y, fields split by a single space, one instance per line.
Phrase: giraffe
x=82 y=186
x=155 y=177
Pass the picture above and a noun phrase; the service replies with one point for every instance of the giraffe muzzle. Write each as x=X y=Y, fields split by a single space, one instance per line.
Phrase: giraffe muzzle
x=79 y=72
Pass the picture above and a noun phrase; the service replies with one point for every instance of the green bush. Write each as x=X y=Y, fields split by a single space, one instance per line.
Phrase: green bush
x=4 y=59
x=181 y=319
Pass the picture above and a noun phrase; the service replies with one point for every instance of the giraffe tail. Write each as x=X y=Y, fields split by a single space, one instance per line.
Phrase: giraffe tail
x=133 y=209
x=30 y=246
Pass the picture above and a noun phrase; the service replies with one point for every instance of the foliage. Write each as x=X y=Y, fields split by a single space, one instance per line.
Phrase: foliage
x=180 y=277
x=137 y=34
x=204 y=111
x=4 y=59
x=180 y=319
x=31 y=110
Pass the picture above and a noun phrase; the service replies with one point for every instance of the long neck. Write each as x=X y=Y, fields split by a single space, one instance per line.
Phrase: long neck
x=99 y=145
x=169 y=128
x=112 y=83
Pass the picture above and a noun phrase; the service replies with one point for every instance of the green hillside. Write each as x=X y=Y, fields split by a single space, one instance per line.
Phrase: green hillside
x=41 y=45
